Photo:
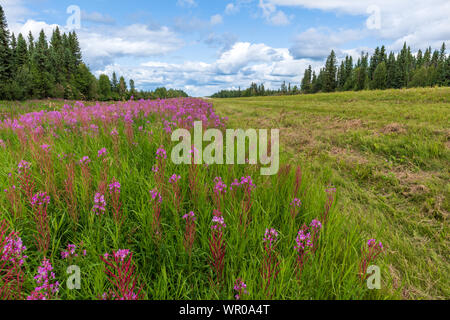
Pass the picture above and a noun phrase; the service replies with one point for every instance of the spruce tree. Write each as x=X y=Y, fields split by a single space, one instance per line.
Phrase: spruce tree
x=5 y=51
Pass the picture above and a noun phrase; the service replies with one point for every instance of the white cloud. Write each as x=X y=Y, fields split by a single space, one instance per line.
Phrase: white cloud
x=231 y=8
x=187 y=3
x=104 y=45
x=421 y=23
x=242 y=64
x=317 y=43
x=216 y=19
x=96 y=17
x=272 y=14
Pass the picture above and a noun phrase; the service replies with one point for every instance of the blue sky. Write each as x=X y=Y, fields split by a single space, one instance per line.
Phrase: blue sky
x=203 y=46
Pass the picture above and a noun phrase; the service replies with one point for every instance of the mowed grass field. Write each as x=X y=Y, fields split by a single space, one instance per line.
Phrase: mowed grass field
x=388 y=153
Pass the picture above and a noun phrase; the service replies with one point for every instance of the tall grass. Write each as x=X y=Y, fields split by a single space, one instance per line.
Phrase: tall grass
x=167 y=259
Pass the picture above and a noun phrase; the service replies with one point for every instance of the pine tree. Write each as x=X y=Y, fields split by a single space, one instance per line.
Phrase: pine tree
x=306 y=81
x=329 y=80
x=5 y=51
x=380 y=77
x=21 y=51
x=104 y=87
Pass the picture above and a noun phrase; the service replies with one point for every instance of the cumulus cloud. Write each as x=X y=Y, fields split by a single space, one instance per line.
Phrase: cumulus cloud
x=317 y=43
x=231 y=8
x=242 y=64
x=216 y=19
x=187 y=3
x=420 y=23
x=272 y=14
x=103 y=46
x=96 y=17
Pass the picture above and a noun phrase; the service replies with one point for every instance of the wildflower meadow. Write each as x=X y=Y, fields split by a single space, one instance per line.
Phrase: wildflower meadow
x=92 y=207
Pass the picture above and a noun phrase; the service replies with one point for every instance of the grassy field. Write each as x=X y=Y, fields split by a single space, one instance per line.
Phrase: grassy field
x=388 y=154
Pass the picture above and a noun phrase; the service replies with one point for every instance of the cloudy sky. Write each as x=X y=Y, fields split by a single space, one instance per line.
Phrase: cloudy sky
x=203 y=46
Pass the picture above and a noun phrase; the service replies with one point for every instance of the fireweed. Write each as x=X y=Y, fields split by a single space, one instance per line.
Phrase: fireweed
x=369 y=254
x=11 y=263
x=39 y=204
x=46 y=288
x=114 y=192
x=46 y=161
x=85 y=173
x=189 y=234
x=176 y=192
x=13 y=197
x=219 y=190
x=240 y=289
x=103 y=182
x=69 y=185
x=193 y=176
x=217 y=248
x=99 y=207
x=120 y=271
x=161 y=157
x=306 y=244
x=270 y=264
x=156 y=201
x=26 y=179
x=295 y=207
x=246 y=186
x=71 y=252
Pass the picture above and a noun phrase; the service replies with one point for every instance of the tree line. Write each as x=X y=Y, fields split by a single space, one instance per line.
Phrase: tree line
x=376 y=72
x=39 y=69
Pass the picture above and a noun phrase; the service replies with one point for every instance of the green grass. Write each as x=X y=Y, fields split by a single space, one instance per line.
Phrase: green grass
x=388 y=154
x=337 y=138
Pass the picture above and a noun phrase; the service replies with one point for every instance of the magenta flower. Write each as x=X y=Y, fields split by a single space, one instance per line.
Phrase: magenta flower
x=174 y=179
x=45 y=289
x=102 y=153
x=161 y=153
x=99 y=204
x=270 y=237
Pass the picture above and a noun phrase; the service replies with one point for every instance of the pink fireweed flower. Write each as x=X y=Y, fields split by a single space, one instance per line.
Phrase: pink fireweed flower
x=219 y=187
x=99 y=204
x=174 y=179
x=13 y=250
x=45 y=147
x=85 y=160
x=114 y=187
x=270 y=237
x=369 y=254
x=316 y=224
x=114 y=132
x=70 y=253
x=121 y=254
x=296 y=203
x=218 y=223
x=241 y=288
x=40 y=199
x=156 y=195
x=45 y=289
x=190 y=215
x=303 y=241
x=24 y=165
x=102 y=153
x=155 y=169
x=161 y=153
